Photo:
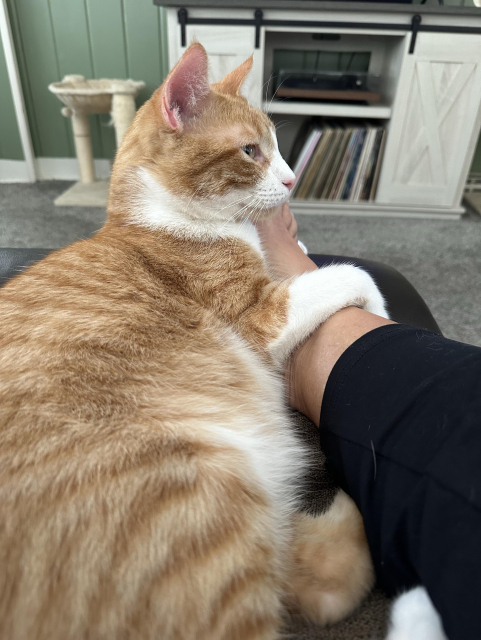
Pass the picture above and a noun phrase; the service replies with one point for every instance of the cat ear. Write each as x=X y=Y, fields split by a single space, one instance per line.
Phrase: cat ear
x=233 y=81
x=186 y=88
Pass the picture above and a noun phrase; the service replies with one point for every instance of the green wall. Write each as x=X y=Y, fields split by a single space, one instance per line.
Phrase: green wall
x=95 y=38
x=10 y=143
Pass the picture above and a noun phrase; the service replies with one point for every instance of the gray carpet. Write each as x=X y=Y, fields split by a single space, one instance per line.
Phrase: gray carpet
x=441 y=259
x=28 y=217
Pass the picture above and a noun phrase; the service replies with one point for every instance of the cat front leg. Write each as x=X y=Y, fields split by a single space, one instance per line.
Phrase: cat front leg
x=317 y=295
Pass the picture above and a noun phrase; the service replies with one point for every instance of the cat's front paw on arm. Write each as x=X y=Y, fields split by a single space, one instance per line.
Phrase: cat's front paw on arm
x=374 y=301
x=315 y=296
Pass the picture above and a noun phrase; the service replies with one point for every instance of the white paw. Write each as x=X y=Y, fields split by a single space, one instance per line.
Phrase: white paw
x=413 y=617
x=374 y=301
x=376 y=304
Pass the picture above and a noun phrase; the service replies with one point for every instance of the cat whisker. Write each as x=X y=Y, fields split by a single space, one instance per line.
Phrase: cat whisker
x=232 y=203
x=191 y=199
x=258 y=211
x=253 y=204
x=268 y=82
x=274 y=94
x=236 y=214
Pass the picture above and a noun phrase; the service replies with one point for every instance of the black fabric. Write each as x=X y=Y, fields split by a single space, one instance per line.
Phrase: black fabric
x=405 y=305
x=13 y=261
x=401 y=428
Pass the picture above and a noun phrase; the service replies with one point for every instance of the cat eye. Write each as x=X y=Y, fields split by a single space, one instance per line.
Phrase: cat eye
x=250 y=149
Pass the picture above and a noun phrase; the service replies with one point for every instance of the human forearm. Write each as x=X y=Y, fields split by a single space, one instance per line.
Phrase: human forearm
x=310 y=365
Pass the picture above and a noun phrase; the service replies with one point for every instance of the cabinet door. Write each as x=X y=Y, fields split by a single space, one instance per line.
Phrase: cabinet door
x=227 y=48
x=435 y=122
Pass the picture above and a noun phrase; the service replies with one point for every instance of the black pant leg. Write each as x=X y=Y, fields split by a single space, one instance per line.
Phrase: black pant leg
x=401 y=426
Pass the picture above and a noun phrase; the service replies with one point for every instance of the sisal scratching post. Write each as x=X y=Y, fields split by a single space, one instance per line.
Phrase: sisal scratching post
x=123 y=112
x=83 y=144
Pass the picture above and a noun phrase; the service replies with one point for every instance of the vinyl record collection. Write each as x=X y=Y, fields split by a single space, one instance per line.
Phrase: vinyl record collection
x=339 y=161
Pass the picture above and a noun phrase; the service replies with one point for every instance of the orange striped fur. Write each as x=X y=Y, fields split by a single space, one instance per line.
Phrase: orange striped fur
x=148 y=470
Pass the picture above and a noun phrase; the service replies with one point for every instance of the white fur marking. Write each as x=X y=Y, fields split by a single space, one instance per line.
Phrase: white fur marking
x=272 y=191
x=413 y=617
x=263 y=432
x=317 y=295
x=155 y=207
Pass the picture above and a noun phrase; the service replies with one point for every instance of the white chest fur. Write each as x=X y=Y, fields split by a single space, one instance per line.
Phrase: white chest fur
x=156 y=208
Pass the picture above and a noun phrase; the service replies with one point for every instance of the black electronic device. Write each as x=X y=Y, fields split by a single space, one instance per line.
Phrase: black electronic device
x=327 y=85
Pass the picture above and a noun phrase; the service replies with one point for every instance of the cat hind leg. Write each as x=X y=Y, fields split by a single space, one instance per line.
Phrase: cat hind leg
x=332 y=565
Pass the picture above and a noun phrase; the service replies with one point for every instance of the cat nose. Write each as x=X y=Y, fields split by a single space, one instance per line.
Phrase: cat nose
x=289 y=182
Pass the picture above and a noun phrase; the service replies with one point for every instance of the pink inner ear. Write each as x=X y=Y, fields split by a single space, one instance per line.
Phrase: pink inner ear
x=170 y=114
x=187 y=88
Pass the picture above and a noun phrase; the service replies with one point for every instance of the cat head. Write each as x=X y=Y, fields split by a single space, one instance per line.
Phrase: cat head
x=199 y=151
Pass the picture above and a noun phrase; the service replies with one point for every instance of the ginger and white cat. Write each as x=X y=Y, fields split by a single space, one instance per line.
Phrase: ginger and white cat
x=148 y=470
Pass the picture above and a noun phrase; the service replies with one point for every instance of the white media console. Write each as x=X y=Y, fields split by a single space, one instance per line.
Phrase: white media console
x=429 y=60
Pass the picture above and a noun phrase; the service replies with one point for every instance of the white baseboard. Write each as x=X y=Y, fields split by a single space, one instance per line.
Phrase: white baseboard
x=50 y=169
x=67 y=168
x=13 y=171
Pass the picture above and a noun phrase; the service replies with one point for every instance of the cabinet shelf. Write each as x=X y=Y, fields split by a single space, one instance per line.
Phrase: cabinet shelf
x=374 y=209
x=382 y=112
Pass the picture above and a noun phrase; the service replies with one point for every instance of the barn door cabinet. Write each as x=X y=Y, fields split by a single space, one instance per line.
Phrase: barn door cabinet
x=435 y=122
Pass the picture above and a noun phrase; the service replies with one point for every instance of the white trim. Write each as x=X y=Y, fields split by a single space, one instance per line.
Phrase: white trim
x=68 y=169
x=14 y=171
x=380 y=111
x=17 y=93
x=374 y=210
x=473 y=183
x=50 y=169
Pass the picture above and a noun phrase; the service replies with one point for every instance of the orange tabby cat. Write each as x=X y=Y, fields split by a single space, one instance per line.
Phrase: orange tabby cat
x=148 y=471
